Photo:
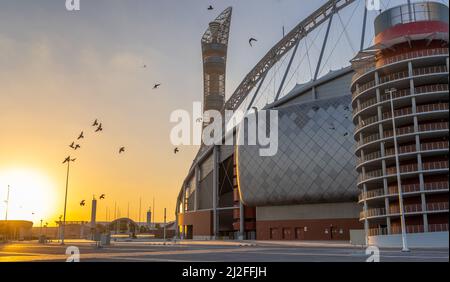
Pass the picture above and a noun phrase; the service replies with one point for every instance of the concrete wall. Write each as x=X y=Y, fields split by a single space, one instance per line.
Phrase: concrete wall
x=415 y=240
x=307 y=229
x=311 y=211
x=201 y=222
x=331 y=221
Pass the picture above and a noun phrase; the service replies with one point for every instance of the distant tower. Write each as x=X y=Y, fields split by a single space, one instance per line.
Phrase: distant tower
x=93 y=212
x=214 y=49
x=149 y=217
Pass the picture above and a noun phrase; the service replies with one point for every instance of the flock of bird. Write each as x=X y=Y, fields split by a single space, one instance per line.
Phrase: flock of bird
x=332 y=127
x=99 y=126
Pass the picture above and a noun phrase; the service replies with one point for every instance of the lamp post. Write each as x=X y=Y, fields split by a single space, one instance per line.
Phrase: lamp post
x=40 y=229
x=399 y=181
x=7 y=204
x=68 y=160
x=164 y=225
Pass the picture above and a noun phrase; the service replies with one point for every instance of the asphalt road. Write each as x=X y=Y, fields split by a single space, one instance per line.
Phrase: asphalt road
x=216 y=252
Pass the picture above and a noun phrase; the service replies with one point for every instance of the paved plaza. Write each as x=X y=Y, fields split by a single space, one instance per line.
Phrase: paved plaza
x=211 y=251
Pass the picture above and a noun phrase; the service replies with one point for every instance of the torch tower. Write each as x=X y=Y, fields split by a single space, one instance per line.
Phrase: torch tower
x=214 y=50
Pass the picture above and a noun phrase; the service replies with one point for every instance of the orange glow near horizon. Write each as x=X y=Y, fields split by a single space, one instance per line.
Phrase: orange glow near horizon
x=31 y=196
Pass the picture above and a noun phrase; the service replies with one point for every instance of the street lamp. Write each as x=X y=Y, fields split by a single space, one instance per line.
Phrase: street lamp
x=7 y=204
x=397 y=163
x=68 y=160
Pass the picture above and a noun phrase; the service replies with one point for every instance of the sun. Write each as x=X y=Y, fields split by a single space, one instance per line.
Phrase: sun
x=31 y=195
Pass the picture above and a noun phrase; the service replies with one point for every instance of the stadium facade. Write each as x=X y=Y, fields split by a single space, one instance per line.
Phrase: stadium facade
x=309 y=189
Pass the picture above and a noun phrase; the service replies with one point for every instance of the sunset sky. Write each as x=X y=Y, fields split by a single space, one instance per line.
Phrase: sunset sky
x=61 y=70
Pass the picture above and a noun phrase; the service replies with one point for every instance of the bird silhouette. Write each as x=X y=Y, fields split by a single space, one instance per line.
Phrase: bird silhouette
x=72 y=145
x=83 y=203
x=251 y=40
x=102 y=196
x=77 y=147
x=346 y=134
x=315 y=108
x=157 y=85
x=66 y=160
x=99 y=128
x=81 y=136
x=95 y=123
x=122 y=150
x=176 y=151
x=210 y=8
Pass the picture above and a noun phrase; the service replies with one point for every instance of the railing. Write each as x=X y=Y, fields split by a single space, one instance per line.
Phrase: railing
x=404 y=169
x=377 y=231
x=413 y=55
x=435 y=165
x=401 y=57
x=404 y=93
x=409 y=229
x=399 y=75
x=432 y=107
x=405 y=130
x=438 y=227
x=437 y=206
x=415 y=208
x=372 y=212
x=403 y=112
x=407 y=188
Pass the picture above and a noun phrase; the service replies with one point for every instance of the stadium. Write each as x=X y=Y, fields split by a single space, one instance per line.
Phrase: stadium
x=340 y=166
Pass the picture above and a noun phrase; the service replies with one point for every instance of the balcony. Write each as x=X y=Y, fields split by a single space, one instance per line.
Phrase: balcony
x=398 y=76
x=403 y=112
x=417 y=208
x=408 y=210
x=429 y=127
x=409 y=229
x=406 y=189
x=403 y=93
x=408 y=168
x=399 y=58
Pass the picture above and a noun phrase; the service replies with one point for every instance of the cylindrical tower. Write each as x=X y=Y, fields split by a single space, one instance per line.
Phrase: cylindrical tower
x=214 y=50
x=400 y=110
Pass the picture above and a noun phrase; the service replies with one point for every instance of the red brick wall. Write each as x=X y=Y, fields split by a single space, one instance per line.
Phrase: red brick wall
x=315 y=229
x=201 y=222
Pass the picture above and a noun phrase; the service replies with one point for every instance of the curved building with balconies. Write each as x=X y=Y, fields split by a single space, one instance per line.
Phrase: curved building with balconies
x=401 y=113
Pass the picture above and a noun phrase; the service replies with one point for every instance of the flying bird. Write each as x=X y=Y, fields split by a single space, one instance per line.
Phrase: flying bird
x=210 y=8
x=95 y=123
x=157 y=85
x=346 y=134
x=81 y=136
x=67 y=160
x=122 y=150
x=251 y=40
x=315 y=108
x=83 y=203
x=99 y=128
x=72 y=145
x=176 y=151
x=77 y=147
x=102 y=196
